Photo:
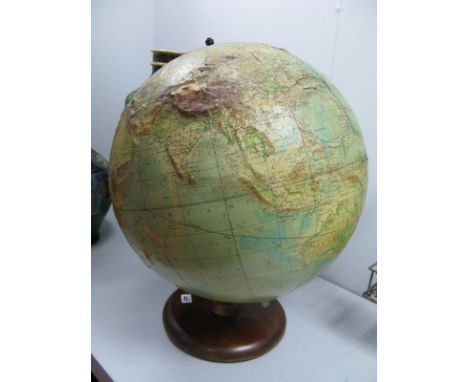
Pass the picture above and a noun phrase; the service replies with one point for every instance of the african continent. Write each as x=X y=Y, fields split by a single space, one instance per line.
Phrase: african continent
x=238 y=172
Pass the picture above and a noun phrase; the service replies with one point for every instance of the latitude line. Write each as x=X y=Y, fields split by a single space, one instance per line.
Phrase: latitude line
x=224 y=233
x=183 y=205
x=159 y=177
x=315 y=173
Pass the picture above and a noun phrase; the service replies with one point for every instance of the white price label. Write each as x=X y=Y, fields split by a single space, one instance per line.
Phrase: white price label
x=186 y=298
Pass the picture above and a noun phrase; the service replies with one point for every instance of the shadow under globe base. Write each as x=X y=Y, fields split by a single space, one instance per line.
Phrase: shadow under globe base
x=222 y=332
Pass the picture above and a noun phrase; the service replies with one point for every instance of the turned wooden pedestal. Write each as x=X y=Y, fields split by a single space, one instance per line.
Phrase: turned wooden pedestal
x=223 y=332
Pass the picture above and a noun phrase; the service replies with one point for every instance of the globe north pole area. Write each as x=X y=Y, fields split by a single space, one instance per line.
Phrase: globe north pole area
x=238 y=172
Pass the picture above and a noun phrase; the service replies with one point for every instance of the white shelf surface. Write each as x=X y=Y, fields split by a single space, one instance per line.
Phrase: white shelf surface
x=330 y=333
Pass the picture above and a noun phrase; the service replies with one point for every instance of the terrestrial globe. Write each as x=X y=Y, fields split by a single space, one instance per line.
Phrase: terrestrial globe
x=238 y=172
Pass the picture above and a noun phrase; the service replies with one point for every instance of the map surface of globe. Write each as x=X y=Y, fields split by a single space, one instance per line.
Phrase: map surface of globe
x=238 y=172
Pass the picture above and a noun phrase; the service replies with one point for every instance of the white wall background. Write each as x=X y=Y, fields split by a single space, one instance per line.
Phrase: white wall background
x=336 y=37
x=121 y=39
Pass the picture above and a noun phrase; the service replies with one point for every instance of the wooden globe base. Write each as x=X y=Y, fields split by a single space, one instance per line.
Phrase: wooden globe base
x=222 y=332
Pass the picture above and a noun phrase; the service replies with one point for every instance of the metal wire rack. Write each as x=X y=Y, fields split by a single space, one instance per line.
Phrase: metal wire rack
x=371 y=292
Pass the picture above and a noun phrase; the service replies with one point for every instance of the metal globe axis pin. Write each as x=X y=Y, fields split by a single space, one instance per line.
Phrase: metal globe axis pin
x=222 y=332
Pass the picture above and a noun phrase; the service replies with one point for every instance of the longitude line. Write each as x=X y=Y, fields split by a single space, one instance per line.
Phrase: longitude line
x=191 y=241
x=227 y=210
x=146 y=212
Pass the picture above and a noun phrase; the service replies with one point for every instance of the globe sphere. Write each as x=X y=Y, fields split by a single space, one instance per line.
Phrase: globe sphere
x=238 y=172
